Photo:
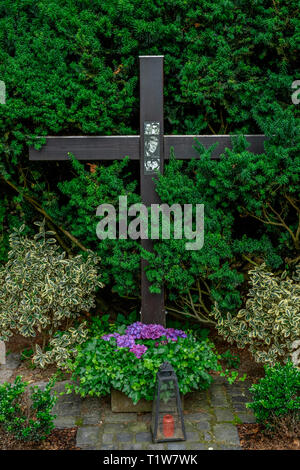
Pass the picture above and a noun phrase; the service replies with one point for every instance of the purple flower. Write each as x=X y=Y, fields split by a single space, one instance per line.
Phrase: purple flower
x=139 y=330
x=173 y=334
x=135 y=329
x=152 y=331
x=181 y=334
x=125 y=341
x=138 y=350
x=110 y=335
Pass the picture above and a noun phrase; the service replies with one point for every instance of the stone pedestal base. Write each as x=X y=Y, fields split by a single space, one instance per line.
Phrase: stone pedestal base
x=120 y=403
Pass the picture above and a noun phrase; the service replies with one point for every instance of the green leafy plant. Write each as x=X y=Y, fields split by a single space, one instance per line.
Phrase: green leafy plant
x=276 y=395
x=42 y=291
x=101 y=365
x=26 y=413
x=232 y=360
x=270 y=321
x=26 y=354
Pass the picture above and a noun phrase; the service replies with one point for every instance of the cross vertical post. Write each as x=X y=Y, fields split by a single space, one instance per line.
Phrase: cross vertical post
x=151 y=160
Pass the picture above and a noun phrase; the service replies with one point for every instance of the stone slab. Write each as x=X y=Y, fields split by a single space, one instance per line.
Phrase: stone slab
x=224 y=414
x=120 y=403
x=88 y=437
x=2 y=353
x=227 y=433
x=62 y=422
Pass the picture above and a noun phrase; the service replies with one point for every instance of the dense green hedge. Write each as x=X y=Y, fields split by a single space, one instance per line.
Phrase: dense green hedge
x=71 y=67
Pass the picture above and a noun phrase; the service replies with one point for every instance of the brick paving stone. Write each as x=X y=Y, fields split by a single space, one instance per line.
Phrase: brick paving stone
x=226 y=433
x=194 y=417
x=246 y=417
x=224 y=414
x=137 y=446
x=199 y=446
x=156 y=447
x=92 y=418
x=67 y=408
x=235 y=388
x=192 y=436
x=202 y=426
x=241 y=407
x=240 y=399
x=228 y=447
x=216 y=385
x=112 y=427
x=176 y=446
x=138 y=427
x=62 y=422
x=124 y=437
x=143 y=437
x=218 y=380
x=120 y=417
x=189 y=426
x=208 y=437
x=218 y=397
x=107 y=438
x=88 y=437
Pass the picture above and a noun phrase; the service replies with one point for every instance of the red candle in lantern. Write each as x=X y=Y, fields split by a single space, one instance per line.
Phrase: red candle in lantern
x=168 y=426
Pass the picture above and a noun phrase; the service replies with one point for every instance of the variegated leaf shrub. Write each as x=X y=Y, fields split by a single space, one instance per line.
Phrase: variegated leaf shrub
x=43 y=292
x=270 y=321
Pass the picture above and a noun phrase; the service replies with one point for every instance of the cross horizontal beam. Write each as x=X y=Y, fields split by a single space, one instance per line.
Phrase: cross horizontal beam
x=117 y=147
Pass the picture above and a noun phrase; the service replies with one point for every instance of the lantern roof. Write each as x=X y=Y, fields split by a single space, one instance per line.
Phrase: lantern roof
x=166 y=367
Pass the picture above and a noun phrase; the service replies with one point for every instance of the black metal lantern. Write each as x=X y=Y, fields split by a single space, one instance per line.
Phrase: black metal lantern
x=167 y=417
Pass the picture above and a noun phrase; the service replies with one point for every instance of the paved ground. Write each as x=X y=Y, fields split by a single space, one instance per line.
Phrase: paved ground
x=210 y=419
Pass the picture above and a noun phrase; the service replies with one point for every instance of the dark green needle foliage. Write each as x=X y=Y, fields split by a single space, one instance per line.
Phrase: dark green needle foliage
x=71 y=68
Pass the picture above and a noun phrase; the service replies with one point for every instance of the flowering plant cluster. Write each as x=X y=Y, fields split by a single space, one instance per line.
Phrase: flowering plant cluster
x=140 y=331
x=126 y=357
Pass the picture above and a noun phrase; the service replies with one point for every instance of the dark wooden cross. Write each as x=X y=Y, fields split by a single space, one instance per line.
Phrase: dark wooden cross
x=151 y=147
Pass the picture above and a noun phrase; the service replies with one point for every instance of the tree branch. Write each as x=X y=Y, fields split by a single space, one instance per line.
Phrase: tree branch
x=37 y=207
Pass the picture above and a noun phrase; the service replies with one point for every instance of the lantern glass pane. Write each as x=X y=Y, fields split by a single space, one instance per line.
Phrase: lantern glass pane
x=168 y=416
